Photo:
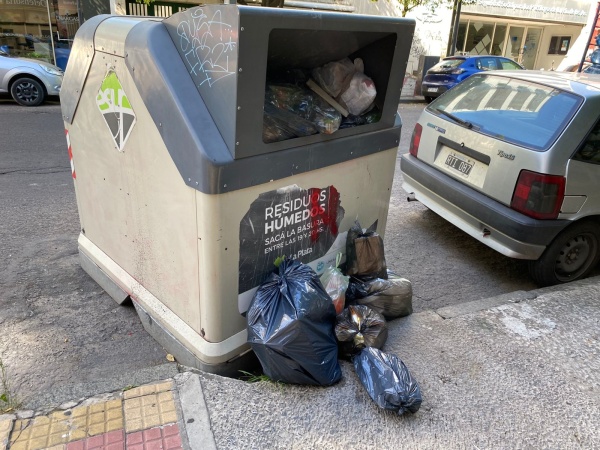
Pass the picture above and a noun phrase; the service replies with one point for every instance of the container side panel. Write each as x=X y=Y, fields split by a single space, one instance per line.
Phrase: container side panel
x=229 y=254
x=133 y=203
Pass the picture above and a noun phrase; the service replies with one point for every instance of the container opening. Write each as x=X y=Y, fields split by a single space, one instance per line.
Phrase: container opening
x=324 y=81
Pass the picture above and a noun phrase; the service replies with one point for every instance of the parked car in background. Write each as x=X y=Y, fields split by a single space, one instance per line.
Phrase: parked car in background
x=454 y=69
x=29 y=81
x=513 y=159
x=594 y=67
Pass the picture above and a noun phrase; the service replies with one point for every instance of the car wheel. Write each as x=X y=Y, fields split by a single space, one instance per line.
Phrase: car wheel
x=27 y=92
x=428 y=99
x=572 y=255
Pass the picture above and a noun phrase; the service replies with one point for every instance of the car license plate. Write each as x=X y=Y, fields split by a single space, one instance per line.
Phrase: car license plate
x=458 y=164
x=432 y=89
x=461 y=166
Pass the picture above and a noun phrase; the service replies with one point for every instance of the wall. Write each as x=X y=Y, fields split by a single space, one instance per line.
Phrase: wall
x=546 y=61
x=431 y=34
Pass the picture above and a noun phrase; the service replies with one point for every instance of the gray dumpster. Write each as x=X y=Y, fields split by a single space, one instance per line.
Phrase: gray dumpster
x=184 y=205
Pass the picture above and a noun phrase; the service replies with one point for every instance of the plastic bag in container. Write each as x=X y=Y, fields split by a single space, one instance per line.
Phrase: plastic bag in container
x=291 y=323
x=290 y=121
x=359 y=95
x=305 y=104
x=358 y=327
x=364 y=253
x=335 y=283
x=333 y=77
x=372 y=116
x=392 y=297
x=324 y=116
x=274 y=130
x=388 y=381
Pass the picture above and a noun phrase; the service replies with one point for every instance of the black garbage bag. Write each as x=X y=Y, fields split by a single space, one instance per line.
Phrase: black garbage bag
x=387 y=380
x=365 y=256
x=358 y=327
x=392 y=297
x=290 y=327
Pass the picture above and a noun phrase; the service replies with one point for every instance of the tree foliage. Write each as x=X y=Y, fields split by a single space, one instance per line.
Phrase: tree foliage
x=433 y=5
x=408 y=5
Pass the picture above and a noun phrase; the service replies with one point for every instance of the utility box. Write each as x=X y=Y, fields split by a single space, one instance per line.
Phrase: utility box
x=184 y=205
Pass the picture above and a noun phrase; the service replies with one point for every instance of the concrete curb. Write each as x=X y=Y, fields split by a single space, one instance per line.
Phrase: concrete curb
x=448 y=312
x=196 y=416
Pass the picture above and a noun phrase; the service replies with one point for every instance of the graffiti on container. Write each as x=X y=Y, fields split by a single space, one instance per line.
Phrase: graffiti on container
x=208 y=46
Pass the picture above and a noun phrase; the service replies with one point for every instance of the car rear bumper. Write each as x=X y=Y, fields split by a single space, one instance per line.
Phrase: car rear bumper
x=490 y=222
x=430 y=90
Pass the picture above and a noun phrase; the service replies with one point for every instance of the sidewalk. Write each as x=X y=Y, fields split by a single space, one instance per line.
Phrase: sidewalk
x=515 y=371
x=140 y=418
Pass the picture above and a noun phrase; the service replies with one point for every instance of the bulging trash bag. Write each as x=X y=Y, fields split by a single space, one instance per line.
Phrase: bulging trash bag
x=290 y=327
x=387 y=380
x=358 y=327
x=365 y=256
x=333 y=77
x=360 y=94
x=335 y=283
x=392 y=297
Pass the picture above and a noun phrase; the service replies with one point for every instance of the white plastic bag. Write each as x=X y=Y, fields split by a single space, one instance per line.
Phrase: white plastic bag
x=359 y=95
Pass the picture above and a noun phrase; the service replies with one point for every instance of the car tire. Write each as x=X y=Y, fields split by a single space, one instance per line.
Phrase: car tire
x=428 y=99
x=571 y=256
x=28 y=92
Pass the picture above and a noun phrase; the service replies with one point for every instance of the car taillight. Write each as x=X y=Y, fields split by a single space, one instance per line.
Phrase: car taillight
x=415 y=140
x=457 y=71
x=537 y=195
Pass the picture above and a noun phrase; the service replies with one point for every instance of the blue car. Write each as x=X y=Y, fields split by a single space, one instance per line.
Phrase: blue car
x=452 y=70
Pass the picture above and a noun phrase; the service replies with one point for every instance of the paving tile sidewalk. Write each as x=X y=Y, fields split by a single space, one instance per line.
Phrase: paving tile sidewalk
x=142 y=418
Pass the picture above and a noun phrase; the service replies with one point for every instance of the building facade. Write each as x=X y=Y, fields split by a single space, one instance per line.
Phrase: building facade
x=536 y=33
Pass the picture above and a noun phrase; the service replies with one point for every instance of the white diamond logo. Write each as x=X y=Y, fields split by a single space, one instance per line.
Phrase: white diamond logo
x=116 y=109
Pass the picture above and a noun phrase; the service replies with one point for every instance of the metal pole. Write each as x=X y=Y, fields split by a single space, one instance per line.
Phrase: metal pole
x=455 y=28
x=589 y=39
x=452 y=31
x=80 y=16
x=51 y=32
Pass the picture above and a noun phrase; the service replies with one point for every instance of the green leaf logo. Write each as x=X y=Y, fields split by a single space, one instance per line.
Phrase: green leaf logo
x=116 y=109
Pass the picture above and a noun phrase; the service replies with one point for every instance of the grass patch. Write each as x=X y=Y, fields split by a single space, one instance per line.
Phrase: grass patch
x=250 y=377
x=9 y=401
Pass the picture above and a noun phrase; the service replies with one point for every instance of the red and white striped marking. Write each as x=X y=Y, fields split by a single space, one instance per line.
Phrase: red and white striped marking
x=70 y=154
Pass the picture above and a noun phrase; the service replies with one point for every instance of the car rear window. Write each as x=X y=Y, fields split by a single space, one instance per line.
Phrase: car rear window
x=446 y=65
x=516 y=111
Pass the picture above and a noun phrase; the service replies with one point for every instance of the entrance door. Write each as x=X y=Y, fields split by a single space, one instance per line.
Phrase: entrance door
x=514 y=45
x=530 y=47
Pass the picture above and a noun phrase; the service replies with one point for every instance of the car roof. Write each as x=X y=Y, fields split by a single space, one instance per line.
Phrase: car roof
x=584 y=84
x=474 y=56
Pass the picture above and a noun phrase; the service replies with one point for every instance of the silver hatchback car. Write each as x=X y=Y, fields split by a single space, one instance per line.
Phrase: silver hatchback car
x=29 y=81
x=513 y=159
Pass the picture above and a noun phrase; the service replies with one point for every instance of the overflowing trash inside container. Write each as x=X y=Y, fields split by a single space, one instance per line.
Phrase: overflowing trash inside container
x=336 y=95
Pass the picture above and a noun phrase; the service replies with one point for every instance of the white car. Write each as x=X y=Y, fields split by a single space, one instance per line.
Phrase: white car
x=29 y=81
x=513 y=159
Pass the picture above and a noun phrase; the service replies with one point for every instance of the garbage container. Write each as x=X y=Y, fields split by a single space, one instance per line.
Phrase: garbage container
x=184 y=205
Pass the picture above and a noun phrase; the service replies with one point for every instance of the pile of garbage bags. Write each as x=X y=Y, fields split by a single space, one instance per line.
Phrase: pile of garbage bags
x=335 y=96
x=300 y=324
